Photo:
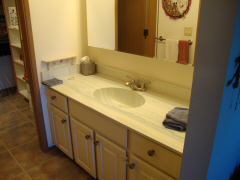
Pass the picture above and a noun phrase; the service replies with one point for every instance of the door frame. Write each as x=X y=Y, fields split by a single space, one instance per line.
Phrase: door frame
x=30 y=61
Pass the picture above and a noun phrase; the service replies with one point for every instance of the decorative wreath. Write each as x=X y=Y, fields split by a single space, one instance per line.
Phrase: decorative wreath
x=176 y=9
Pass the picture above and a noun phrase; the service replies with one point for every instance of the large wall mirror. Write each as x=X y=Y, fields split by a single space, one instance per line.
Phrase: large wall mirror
x=132 y=26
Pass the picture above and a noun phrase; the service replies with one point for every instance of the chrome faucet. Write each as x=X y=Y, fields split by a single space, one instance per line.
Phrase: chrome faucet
x=135 y=86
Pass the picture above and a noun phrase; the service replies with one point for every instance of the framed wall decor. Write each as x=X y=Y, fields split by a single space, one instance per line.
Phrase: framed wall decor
x=176 y=9
x=13 y=17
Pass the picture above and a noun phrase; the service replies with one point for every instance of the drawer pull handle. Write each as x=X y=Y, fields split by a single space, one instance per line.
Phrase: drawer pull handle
x=87 y=137
x=95 y=143
x=53 y=97
x=131 y=166
x=151 y=152
x=63 y=121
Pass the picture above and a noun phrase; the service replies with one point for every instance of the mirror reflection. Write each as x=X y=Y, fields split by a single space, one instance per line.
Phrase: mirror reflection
x=134 y=26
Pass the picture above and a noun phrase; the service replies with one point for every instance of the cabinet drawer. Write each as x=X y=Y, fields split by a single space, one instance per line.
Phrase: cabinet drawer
x=57 y=99
x=140 y=170
x=156 y=155
x=100 y=123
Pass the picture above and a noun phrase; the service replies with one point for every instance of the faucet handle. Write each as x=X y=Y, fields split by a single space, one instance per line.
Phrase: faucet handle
x=143 y=84
x=133 y=81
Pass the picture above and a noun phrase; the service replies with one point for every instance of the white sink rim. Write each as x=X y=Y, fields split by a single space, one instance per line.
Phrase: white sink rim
x=119 y=97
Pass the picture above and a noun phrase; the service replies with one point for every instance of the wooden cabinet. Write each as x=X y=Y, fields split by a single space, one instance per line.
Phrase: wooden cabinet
x=100 y=145
x=83 y=147
x=111 y=160
x=140 y=170
x=60 y=129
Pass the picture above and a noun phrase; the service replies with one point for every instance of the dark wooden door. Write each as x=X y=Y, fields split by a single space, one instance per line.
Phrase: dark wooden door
x=131 y=24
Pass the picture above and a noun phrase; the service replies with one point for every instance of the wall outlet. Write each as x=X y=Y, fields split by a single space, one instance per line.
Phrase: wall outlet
x=188 y=31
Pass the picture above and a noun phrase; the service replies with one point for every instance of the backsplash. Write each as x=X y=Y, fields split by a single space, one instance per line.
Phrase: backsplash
x=60 y=72
x=156 y=86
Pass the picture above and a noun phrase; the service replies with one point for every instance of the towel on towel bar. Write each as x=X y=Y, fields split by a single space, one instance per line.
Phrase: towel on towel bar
x=183 y=52
x=177 y=119
x=52 y=82
x=171 y=50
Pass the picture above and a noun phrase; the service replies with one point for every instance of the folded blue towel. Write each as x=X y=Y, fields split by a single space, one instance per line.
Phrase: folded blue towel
x=176 y=119
x=52 y=82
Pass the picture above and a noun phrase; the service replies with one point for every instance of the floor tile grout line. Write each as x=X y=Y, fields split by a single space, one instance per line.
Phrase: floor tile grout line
x=8 y=112
x=13 y=127
x=27 y=118
x=22 y=144
x=22 y=113
x=15 y=159
x=45 y=161
x=3 y=152
x=9 y=150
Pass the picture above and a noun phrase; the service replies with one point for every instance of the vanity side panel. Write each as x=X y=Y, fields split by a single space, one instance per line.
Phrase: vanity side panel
x=100 y=123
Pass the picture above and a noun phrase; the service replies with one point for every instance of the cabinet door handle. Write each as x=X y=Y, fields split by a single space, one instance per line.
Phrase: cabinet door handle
x=53 y=97
x=95 y=143
x=151 y=152
x=131 y=166
x=63 y=121
x=87 y=137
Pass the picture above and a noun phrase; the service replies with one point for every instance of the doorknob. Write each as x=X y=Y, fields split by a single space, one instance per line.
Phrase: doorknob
x=63 y=121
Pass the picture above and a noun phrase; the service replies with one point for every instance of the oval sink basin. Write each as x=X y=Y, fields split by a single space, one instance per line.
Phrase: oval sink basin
x=119 y=97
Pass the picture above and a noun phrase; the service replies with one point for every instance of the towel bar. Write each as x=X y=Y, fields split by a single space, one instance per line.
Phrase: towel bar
x=162 y=39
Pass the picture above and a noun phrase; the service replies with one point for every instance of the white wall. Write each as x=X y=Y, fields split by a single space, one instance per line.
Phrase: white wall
x=101 y=23
x=6 y=73
x=56 y=27
x=174 y=29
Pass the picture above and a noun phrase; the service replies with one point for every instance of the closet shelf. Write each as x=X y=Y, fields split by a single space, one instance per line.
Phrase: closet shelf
x=15 y=29
x=18 y=45
x=19 y=62
x=15 y=37
x=21 y=78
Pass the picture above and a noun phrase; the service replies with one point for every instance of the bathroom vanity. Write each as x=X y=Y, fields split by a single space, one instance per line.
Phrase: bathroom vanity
x=114 y=138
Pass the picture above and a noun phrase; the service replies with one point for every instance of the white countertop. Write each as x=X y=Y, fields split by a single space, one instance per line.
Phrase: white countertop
x=146 y=119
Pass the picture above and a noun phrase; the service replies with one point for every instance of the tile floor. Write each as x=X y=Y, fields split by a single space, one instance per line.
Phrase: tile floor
x=20 y=155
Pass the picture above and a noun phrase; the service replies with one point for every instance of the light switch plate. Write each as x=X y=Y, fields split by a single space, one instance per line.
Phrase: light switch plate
x=188 y=31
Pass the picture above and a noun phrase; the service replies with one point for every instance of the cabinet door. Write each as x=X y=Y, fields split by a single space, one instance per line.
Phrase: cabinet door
x=111 y=160
x=83 y=147
x=140 y=170
x=60 y=129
